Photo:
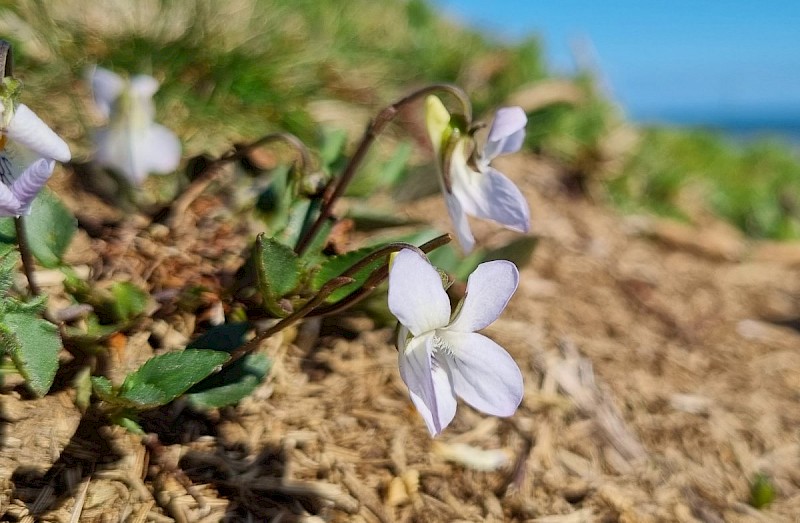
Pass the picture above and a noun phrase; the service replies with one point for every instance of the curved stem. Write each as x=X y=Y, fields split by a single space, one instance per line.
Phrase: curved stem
x=337 y=187
x=300 y=313
x=299 y=147
x=423 y=249
x=378 y=275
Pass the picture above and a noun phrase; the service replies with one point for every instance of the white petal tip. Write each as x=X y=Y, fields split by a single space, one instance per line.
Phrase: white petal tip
x=29 y=130
x=144 y=85
x=63 y=153
x=507 y=121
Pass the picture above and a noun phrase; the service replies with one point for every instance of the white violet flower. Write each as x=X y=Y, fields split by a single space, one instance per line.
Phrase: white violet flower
x=28 y=150
x=132 y=144
x=470 y=184
x=441 y=358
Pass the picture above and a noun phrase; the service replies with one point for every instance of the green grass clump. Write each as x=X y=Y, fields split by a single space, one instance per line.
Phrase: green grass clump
x=755 y=186
x=241 y=68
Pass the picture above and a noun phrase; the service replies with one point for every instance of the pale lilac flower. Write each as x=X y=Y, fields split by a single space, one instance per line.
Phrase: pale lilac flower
x=132 y=144
x=28 y=150
x=470 y=184
x=441 y=358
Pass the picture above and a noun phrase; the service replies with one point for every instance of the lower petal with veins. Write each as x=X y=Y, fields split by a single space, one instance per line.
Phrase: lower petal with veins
x=417 y=373
x=31 y=182
x=460 y=222
x=9 y=205
x=445 y=401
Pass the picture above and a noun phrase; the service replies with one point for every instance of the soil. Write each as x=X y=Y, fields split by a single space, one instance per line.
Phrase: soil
x=661 y=366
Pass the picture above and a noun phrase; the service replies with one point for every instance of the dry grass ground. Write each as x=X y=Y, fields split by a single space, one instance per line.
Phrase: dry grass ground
x=662 y=374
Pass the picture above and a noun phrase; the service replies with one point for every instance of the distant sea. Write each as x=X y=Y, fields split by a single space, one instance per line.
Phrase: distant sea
x=739 y=125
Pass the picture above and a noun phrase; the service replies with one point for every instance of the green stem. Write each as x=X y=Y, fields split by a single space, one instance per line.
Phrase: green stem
x=336 y=188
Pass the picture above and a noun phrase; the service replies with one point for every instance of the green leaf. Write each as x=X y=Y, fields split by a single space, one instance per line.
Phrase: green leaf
x=298 y=215
x=9 y=343
x=332 y=147
x=91 y=333
x=8 y=263
x=127 y=420
x=517 y=251
x=225 y=337
x=146 y=395
x=377 y=175
x=275 y=200
x=231 y=385
x=451 y=260
x=35 y=306
x=8 y=235
x=103 y=388
x=313 y=253
x=234 y=382
x=129 y=300
x=33 y=345
x=414 y=238
x=278 y=270
x=165 y=377
x=49 y=229
x=337 y=265
x=369 y=219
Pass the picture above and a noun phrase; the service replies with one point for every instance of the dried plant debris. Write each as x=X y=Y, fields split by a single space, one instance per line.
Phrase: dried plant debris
x=621 y=420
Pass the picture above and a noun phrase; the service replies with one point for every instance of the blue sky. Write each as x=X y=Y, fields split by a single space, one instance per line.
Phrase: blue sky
x=664 y=58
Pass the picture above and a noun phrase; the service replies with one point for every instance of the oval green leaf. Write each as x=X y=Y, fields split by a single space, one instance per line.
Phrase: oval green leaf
x=165 y=377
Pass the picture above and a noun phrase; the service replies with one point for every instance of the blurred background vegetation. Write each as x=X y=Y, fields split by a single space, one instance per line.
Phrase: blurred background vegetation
x=236 y=70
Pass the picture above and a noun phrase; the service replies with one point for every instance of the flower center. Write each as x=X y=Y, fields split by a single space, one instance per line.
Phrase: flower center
x=440 y=345
x=6 y=173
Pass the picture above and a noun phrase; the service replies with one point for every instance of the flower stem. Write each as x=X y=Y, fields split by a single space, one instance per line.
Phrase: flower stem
x=299 y=314
x=25 y=253
x=378 y=275
x=336 y=187
x=312 y=305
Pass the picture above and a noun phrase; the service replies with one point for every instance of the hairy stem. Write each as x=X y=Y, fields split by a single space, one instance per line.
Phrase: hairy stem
x=337 y=187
